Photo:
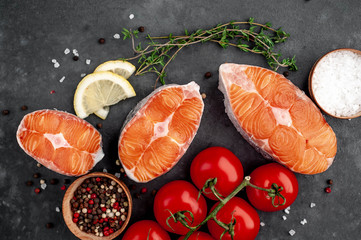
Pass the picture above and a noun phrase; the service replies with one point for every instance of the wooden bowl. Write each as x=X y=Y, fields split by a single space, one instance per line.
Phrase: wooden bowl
x=310 y=89
x=68 y=215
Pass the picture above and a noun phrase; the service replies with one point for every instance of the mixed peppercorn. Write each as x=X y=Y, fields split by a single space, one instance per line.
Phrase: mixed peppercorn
x=99 y=206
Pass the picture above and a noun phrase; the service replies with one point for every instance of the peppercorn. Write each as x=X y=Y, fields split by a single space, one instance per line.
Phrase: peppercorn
x=154 y=192
x=67 y=181
x=54 y=181
x=5 y=112
x=143 y=190
x=286 y=73
x=24 y=107
x=327 y=189
x=36 y=175
x=141 y=29
x=329 y=182
x=99 y=125
x=101 y=41
x=49 y=225
x=29 y=183
x=75 y=58
x=208 y=75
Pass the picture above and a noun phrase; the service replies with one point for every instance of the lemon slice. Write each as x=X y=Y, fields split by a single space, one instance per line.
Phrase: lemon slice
x=99 y=90
x=120 y=67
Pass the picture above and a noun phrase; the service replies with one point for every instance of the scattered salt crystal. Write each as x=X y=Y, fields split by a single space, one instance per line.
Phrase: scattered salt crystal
x=116 y=36
x=292 y=232
x=56 y=65
x=131 y=16
x=284 y=217
x=312 y=205
x=75 y=52
x=54 y=61
x=117 y=175
x=83 y=75
x=104 y=170
x=262 y=224
x=287 y=210
x=87 y=61
x=43 y=186
x=57 y=209
x=62 y=79
x=66 y=51
x=336 y=83
x=304 y=221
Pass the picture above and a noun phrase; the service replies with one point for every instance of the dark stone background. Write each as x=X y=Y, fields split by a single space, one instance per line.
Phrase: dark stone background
x=34 y=32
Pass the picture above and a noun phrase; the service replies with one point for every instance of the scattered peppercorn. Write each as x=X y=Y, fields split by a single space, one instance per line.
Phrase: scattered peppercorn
x=38 y=165
x=203 y=95
x=24 y=107
x=29 y=183
x=329 y=182
x=101 y=41
x=49 y=225
x=327 y=189
x=75 y=58
x=37 y=190
x=286 y=73
x=54 y=181
x=36 y=175
x=208 y=75
x=141 y=29
x=143 y=190
x=5 y=112
x=137 y=195
x=133 y=187
x=99 y=125
x=67 y=181
x=154 y=192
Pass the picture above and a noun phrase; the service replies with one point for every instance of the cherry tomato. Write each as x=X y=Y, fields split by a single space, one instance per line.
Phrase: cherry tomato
x=179 y=196
x=198 y=236
x=146 y=229
x=220 y=163
x=247 y=220
x=263 y=177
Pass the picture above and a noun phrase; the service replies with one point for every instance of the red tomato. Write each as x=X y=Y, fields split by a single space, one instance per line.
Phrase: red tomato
x=247 y=220
x=263 y=177
x=146 y=229
x=220 y=163
x=179 y=196
x=198 y=236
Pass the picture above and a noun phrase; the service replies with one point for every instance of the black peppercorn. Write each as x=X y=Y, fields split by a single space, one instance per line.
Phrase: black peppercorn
x=24 y=107
x=49 y=225
x=99 y=125
x=286 y=73
x=29 y=183
x=5 y=112
x=67 y=181
x=101 y=41
x=208 y=75
x=54 y=181
x=141 y=29
x=329 y=181
x=36 y=175
x=75 y=58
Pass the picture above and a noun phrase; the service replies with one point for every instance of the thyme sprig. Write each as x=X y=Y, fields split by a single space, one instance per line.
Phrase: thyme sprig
x=247 y=36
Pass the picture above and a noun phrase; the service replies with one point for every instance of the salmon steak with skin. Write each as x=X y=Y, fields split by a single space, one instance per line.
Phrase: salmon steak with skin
x=60 y=141
x=277 y=118
x=159 y=130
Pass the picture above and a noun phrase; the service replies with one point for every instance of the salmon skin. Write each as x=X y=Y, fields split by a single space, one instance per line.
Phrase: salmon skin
x=60 y=141
x=277 y=118
x=159 y=130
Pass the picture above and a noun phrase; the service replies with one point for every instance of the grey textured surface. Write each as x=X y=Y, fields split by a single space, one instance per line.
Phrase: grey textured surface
x=32 y=33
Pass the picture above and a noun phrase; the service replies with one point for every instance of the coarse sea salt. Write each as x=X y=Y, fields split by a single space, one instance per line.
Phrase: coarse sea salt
x=62 y=79
x=66 y=51
x=87 y=61
x=336 y=83
x=116 y=36
x=292 y=232
x=131 y=16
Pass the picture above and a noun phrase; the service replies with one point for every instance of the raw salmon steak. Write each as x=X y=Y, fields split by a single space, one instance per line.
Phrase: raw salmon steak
x=277 y=118
x=159 y=130
x=60 y=141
